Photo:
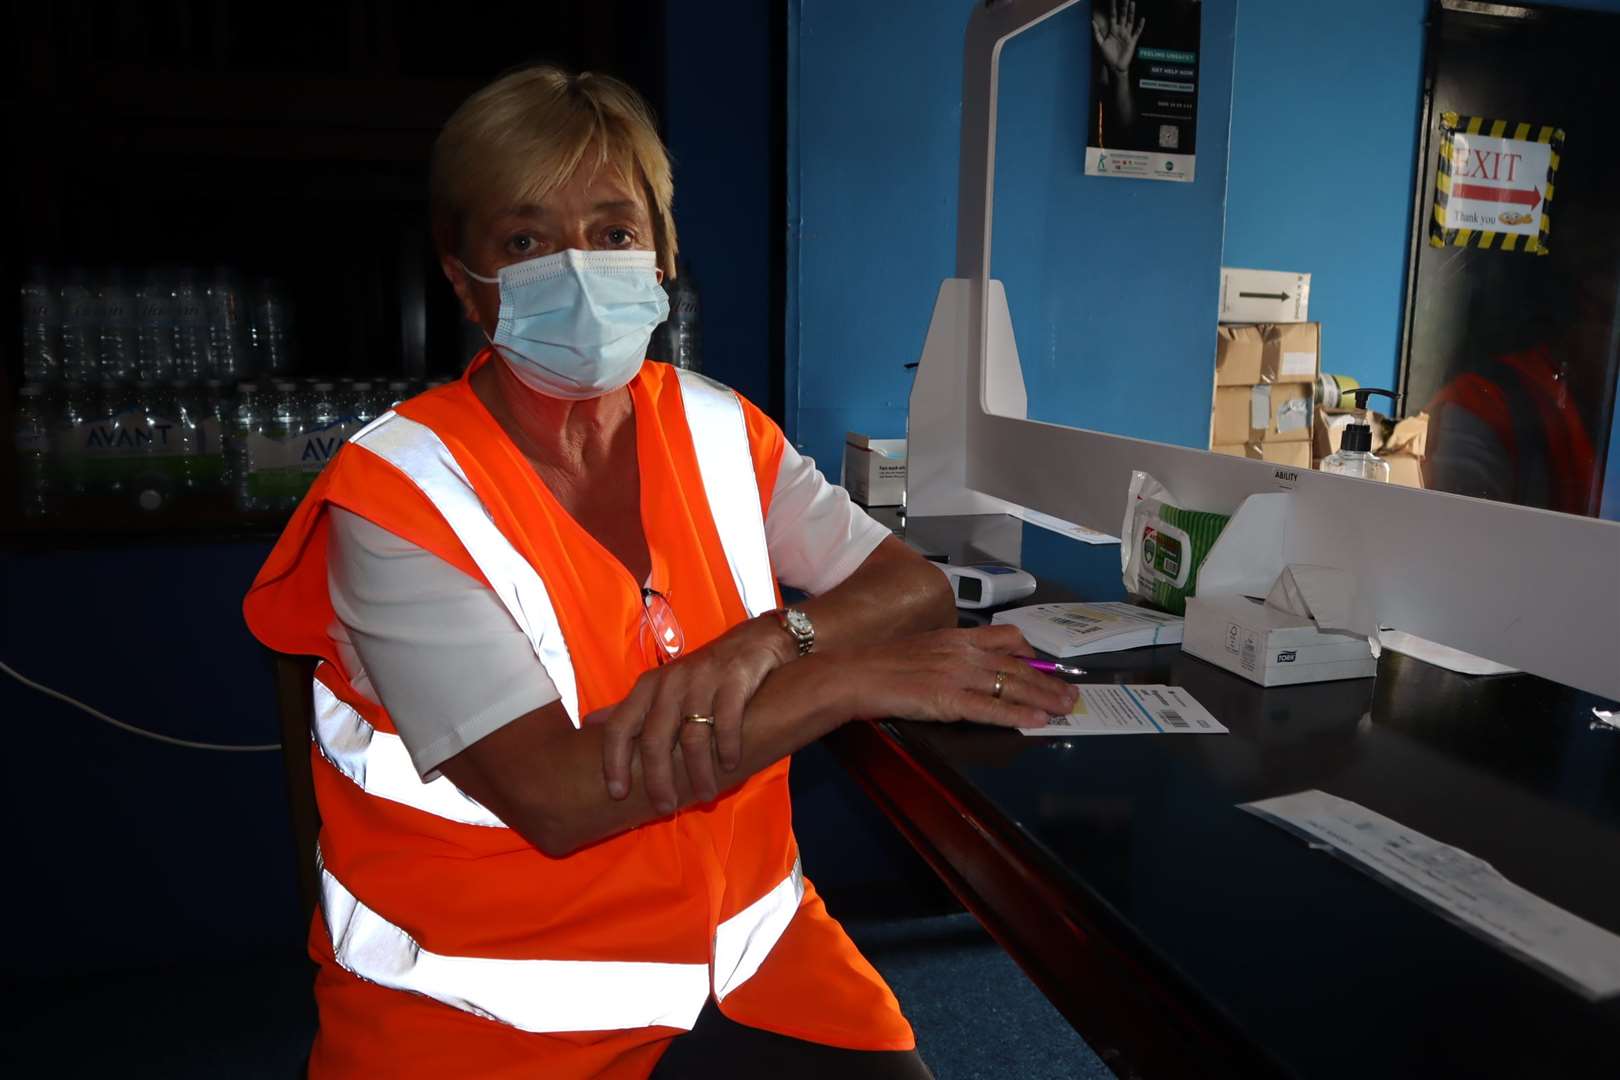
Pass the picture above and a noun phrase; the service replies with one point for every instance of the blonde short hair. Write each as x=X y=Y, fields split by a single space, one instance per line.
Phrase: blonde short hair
x=519 y=138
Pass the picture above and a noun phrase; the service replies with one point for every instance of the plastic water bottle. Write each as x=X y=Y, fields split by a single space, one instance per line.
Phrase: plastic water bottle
x=41 y=362
x=361 y=407
x=68 y=437
x=155 y=328
x=77 y=329
x=191 y=349
x=286 y=427
x=268 y=337
x=678 y=339
x=227 y=340
x=117 y=346
x=326 y=431
x=212 y=467
x=246 y=424
x=112 y=444
x=157 y=462
x=190 y=413
x=36 y=493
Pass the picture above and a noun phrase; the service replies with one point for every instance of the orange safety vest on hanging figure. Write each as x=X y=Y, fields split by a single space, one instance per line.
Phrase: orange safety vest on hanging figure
x=450 y=946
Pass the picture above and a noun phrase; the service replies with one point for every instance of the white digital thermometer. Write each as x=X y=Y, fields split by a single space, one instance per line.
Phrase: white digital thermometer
x=984 y=585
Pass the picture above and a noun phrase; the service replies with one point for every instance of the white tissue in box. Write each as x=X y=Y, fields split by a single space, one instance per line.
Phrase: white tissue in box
x=1271 y=647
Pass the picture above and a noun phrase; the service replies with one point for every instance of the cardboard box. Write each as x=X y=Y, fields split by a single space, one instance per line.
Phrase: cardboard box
x=1264 y=296
x=1407 y=447
x=1246 y=355
x=875 y=469
x=1266 y=413
x=1295 y=454
x=1271 y=647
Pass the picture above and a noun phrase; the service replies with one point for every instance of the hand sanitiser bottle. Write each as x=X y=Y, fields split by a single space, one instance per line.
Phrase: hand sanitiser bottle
x=1354 y=456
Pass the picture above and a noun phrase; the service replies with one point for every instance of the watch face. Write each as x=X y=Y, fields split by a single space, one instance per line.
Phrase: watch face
x=799 y=623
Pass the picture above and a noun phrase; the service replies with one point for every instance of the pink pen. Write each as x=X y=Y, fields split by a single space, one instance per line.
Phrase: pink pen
x=1052 y=667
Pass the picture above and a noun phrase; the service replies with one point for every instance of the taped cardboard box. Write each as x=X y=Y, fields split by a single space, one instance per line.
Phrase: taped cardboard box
x=1267 y=413
x=1408 y=445
x=1267 y=353
x=1294 y=454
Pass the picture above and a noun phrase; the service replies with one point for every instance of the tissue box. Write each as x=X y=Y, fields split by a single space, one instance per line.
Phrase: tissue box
x=874 y=469
x=1271 y=647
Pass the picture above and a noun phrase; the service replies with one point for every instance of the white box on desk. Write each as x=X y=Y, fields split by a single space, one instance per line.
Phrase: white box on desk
x=1271 y=647
x=874 y=469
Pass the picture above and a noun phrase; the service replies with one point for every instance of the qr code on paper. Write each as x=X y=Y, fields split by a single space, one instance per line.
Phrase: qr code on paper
x=1169 y=136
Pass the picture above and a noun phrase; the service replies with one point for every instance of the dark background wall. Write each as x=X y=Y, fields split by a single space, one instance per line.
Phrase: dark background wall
x=128 y=854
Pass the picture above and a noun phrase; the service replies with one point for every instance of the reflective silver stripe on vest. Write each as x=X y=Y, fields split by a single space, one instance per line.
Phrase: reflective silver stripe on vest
x=742 y=942
x=417 y=452
x=531 y=995
x=720 y=436
x=379 y=763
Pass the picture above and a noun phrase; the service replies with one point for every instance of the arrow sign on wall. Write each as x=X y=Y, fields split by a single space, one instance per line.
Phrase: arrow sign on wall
x=1485 y=193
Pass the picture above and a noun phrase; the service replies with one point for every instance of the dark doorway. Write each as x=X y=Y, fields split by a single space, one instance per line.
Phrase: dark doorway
x=1513 y=353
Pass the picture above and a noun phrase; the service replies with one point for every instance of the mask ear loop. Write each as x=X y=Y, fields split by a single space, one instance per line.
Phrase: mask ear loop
x=465 y=269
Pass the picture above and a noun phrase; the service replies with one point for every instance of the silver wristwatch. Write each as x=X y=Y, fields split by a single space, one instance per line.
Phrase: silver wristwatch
x=798 y=624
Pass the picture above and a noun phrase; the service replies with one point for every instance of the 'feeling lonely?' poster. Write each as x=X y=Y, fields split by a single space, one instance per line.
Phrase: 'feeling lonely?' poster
x=1144 y=89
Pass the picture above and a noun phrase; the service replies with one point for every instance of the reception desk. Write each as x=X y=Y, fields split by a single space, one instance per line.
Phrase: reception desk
x=1183 y=936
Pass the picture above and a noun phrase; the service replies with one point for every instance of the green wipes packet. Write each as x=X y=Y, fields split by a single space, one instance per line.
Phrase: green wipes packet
x=1163 y=545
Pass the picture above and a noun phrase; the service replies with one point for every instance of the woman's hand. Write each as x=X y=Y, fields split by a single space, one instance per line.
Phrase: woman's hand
x=715 y=681
x=952 y=675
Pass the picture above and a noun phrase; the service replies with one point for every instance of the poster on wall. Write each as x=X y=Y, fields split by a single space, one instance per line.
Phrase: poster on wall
x=1493 y=184
x=1144 y=89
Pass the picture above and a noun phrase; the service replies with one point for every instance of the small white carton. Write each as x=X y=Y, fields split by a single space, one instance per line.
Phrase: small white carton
x=875 y=469
x=1269 y=646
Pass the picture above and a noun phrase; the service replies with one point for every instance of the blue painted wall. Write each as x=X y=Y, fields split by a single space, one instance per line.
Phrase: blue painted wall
x=1112 y=283
x=718 y=126
x=874 y=123
x=1317 y=87
x=1092 y=266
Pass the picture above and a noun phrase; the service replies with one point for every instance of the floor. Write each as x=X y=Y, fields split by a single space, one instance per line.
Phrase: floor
x=975 y=1014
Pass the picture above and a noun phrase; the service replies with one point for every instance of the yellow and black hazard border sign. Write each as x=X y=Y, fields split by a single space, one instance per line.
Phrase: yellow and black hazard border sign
x=1451 y=124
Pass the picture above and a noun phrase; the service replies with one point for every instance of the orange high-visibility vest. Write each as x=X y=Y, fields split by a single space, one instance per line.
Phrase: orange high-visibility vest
x=447 y=944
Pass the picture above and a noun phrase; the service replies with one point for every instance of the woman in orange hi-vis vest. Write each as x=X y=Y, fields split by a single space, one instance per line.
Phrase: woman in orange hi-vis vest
x=557 y=690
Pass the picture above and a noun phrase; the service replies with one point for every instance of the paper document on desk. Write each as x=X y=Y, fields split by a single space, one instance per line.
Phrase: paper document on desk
x=1132 y=710
x=1467 y=890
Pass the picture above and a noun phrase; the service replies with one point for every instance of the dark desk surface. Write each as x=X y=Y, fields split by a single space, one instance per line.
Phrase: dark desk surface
x=1182 y=936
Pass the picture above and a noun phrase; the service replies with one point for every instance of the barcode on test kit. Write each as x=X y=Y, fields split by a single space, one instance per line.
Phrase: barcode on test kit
x=1174 y=719
x=1077 y=622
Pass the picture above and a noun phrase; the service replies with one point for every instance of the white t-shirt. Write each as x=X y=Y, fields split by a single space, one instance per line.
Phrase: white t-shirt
x=437 y=649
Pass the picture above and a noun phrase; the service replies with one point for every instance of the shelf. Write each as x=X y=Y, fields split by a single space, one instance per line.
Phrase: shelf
x=106 y=521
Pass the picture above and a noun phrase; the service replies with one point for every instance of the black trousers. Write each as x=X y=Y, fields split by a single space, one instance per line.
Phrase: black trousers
x=721 y=1049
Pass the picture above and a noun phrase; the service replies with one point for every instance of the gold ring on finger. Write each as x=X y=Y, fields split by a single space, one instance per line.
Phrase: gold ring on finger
x=698 y=718
x=1001 y=684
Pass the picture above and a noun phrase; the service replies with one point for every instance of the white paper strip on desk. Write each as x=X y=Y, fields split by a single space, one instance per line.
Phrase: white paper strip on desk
x=1465 y=889
x=1106 y=709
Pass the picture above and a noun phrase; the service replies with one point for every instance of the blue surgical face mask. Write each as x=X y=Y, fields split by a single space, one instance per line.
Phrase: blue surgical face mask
x=576 y=324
